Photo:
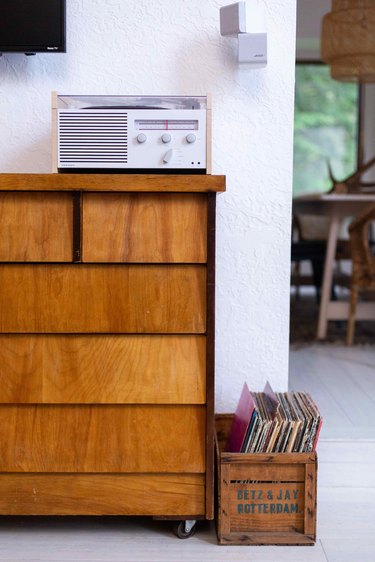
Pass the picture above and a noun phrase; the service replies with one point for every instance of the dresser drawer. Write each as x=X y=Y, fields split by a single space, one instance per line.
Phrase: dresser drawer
x=144 y=227
x=104 y=369
x=36 y=227
x=96 y=299
x=102 y=494
x=102 y=439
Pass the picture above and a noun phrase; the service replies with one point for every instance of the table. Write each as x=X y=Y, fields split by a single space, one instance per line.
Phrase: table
x=337 y=207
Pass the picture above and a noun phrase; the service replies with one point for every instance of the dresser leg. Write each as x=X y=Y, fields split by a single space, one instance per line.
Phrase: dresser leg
x=185 y=529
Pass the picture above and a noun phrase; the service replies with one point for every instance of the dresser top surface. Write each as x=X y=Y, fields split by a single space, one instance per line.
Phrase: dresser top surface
x=112 y=182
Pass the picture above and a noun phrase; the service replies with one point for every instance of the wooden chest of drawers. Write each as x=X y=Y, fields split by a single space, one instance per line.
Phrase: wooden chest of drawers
x=107 y=344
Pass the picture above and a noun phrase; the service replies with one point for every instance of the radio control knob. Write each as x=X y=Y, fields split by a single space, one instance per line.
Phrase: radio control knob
x=190 y=138
x=141 y=138
x=166 y=138
x=168 y=156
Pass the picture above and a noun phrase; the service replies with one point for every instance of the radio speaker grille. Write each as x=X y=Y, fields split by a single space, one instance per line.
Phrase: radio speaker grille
x=93 y=137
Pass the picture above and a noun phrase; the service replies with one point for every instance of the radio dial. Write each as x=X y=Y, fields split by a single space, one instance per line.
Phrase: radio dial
x=168 y=156
x=141 y=138
x=190 y=138
x=166 y=138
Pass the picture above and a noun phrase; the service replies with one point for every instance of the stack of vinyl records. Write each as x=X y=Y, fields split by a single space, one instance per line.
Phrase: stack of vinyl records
x=269 y=422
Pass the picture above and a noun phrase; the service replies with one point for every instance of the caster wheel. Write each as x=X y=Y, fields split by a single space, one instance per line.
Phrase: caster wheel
x=184 y=529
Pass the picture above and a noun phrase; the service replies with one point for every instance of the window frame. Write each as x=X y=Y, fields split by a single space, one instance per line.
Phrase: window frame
x=360 y=144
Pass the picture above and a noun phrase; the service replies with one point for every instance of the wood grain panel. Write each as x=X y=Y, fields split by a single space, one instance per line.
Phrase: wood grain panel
x=111 y=299
x=292 y=538
x=102 y=369
x=210 y=354
x=267 y=507
x=101 y=494
x=36 y=227
x=122 y=227
x=266 y=472
x=102 y=439
x=112 y=182
x=310 y=499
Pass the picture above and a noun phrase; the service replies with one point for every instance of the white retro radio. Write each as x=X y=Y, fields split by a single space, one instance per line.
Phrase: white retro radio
x=168 y=134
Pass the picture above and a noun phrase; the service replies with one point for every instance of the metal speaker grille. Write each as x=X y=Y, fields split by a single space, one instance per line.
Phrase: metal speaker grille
x=93 y=137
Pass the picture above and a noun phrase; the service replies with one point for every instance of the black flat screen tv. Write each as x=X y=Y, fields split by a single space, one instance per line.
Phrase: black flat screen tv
x=32 y=26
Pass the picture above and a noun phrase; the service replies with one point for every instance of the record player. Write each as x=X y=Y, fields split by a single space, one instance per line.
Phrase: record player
x=133 y=134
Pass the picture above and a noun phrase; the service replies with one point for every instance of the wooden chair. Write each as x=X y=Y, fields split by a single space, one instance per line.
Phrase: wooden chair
x=305 y=248
x=363 y=265
x=353 y=183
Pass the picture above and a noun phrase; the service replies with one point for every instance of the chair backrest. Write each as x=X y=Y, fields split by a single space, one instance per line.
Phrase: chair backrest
x=362 y=258
x=353 y=183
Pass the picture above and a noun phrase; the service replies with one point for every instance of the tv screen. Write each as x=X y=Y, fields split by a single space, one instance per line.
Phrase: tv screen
x=32 y=26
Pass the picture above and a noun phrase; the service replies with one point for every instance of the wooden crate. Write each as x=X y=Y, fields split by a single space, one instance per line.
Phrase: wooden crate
x=264 y=498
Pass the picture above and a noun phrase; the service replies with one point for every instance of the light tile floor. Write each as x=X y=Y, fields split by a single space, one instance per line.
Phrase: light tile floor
x=342 y=382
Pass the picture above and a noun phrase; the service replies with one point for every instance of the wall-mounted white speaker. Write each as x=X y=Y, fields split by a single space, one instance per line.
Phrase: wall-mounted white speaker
x=246 y=21
x=233 y=19
x=252 y=49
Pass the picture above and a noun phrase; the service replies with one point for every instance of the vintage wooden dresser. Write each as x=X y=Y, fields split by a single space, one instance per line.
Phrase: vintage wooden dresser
x=107 y=344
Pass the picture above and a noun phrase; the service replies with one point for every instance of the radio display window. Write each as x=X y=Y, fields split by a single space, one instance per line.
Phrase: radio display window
x=166 y=124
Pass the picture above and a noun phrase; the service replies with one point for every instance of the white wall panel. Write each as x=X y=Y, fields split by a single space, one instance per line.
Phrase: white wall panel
x=175 y=47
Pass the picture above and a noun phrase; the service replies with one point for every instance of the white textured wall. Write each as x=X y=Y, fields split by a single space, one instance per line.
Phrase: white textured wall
x=174 y=47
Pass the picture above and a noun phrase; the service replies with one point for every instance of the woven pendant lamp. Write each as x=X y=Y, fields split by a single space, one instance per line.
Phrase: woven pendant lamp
x=348 y=40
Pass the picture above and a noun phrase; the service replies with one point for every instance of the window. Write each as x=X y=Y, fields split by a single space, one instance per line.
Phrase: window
x=325 y=128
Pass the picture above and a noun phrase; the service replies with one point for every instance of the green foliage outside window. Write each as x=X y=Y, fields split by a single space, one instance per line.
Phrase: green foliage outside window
x=325 y=128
